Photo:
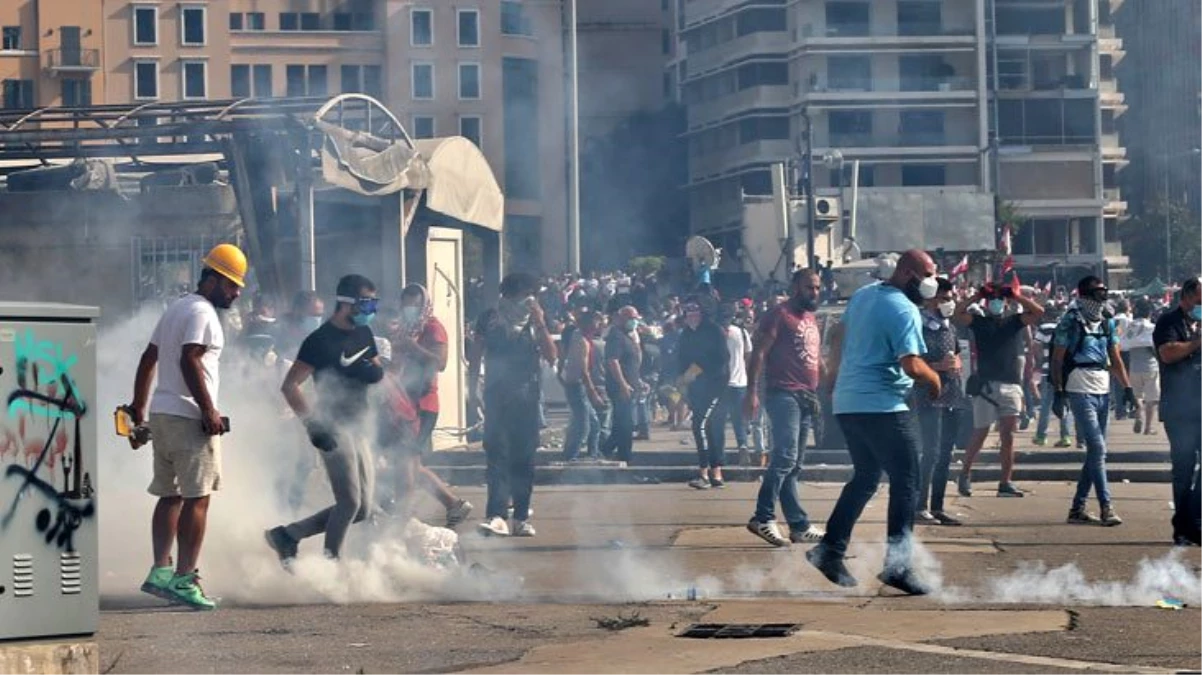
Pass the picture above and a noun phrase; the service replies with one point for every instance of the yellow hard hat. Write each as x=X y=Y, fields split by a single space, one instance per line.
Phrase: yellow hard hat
x=229 y=261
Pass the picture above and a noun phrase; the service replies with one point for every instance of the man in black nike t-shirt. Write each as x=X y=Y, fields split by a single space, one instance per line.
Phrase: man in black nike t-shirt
x=341 y=356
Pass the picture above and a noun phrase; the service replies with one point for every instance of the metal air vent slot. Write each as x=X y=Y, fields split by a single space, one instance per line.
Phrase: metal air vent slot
x=22 y=575
x=69 y=573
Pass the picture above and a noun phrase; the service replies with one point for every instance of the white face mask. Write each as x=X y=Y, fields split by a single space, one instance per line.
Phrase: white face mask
x=947 y=309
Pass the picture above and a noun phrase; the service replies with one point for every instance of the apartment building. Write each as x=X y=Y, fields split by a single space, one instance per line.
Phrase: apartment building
x=623 y=46
x=492 y=71
x=907 y=87
x=1163 y=129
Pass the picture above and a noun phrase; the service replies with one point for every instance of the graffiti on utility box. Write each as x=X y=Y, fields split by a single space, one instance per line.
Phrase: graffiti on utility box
x=48 y=410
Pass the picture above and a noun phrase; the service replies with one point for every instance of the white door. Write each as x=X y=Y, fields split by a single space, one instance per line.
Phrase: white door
x=444 y=278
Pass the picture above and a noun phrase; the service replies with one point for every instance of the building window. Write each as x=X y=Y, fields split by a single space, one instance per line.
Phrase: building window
x=849 y=73
x=851 y=128
x=469 y=28
x=195 y=76
x=318 y=84
x=12 y=38
x=922 y=127
x=240 y=81
x=295 y=80
x=919 y=17
x=146 y=79
x=77 y=92
x=423 y=81
x=923 y=175
x=421 y=27
x=373 y=81
x=289 y=21
x=262 y=81
x=665 y=38
x=342 y=21
x=514 y=20
x=146 y=25
x=847 y=19
x=351 y=84
x=192 y=25
x=423 y=126
x=18 y=94
x=469 y=81
x=471 y=128
x=310 y=21
x=247 y=21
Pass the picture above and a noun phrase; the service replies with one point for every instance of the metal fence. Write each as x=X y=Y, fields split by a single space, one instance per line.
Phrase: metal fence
x=165 y=268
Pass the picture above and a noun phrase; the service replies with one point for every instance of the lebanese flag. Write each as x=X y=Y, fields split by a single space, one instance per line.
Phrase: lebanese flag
x=960 y=268
x=1007 y=265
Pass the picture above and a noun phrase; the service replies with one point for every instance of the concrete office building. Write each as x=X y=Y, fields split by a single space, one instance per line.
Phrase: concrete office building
x=490 y=71
x=1160 y=76
x=907 y=88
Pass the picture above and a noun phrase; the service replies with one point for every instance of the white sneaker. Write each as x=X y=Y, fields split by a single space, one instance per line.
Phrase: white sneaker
x=523 y=528
x=768 y=531
x=926 y=517
x=495 y=527
x=808 y=536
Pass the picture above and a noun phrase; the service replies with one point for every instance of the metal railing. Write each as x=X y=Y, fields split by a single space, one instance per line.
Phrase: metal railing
x=73 y=58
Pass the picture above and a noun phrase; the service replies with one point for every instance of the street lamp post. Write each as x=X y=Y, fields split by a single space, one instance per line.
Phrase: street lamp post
x=574 y=142
x=807 y=180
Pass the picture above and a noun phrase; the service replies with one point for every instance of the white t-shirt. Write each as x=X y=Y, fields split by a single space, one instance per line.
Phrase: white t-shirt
x=738 y=346
x=191 y=320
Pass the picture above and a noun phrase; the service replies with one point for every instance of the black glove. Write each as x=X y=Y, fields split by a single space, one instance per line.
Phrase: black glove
x=1129 y=399
x=1058 y=404
x=320 y=436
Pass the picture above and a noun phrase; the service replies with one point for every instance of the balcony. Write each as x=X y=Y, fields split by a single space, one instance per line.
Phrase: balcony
x=959 y=142
x=774 y=42
x=307 y=41
x=752 y=98
x=953 y=88
x=73 y=60
x=728 y=159
x=819 y=38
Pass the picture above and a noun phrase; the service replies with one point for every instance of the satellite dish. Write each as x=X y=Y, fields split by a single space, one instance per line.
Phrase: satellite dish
x=701 y=252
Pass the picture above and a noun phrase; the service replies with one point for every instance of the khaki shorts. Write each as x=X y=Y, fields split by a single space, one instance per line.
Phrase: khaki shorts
x=1007 y=397
x=1146 y=386
x=187 y=461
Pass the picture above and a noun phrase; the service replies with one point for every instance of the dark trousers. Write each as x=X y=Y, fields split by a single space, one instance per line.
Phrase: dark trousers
x=709 y=425
x=878 y=442
x=620 y=444
x=938 y=436
x=510 y=441
x=1185 y=443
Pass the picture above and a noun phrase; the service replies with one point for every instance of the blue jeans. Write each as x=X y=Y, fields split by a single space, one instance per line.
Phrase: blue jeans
x=734 y=410
x=1046 y=395
x=1185 y=442
x=1091 y=412
x=938 y=435
x=791 y=418
x=642 y=411
x=878 y=442
x=620 y=444
x=755 y=427
x=584 y=427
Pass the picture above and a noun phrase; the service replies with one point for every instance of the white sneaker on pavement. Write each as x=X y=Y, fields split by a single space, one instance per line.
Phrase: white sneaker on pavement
x=768 y=531
x=495 y=527
x=523 y=528
x=810 y=535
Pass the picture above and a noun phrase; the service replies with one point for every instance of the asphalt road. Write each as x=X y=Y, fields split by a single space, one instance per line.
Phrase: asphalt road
x=609 y=552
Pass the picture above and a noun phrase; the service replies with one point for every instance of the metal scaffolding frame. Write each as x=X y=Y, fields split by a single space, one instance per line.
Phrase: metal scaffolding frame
x=182 y=128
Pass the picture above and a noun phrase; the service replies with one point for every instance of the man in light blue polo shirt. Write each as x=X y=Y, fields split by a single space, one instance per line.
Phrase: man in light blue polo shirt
x=877 y=352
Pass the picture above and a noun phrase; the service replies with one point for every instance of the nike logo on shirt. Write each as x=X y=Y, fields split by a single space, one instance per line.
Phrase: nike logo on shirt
x=348 y=361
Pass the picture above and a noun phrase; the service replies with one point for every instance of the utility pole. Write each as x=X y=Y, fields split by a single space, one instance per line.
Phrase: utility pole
x=807 y=179
x=574 y=144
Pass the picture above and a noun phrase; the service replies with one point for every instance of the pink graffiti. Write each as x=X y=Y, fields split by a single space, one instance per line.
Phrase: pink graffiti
x=26 y=444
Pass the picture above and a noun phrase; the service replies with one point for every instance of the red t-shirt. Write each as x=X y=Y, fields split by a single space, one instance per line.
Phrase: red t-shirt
x=433 y=334
x=792 y=361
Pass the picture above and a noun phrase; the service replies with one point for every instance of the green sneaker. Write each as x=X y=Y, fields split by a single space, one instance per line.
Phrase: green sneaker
x=185 y=588
x=157 y=582
x=1064 y=443
x=1040 y=441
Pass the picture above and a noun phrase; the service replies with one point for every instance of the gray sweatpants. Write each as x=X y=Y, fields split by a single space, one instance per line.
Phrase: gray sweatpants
x=352 y=475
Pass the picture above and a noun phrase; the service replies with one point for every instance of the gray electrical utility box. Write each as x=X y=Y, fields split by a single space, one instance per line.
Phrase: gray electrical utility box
x=49 y=528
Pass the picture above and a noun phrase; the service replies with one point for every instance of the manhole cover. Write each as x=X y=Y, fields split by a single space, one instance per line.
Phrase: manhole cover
x=732 y=631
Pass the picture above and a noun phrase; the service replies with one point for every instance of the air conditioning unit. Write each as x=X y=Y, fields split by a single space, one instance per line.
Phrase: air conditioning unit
x=827 y=208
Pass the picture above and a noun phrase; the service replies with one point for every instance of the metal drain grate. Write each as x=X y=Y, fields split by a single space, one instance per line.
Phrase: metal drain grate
x=731 y=631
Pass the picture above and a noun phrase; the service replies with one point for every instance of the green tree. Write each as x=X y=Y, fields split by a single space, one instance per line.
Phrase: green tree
x=646 y=265
x=1165 y=231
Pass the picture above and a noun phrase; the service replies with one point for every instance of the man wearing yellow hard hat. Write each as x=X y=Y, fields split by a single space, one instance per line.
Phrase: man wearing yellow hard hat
x=185 y=422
